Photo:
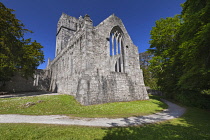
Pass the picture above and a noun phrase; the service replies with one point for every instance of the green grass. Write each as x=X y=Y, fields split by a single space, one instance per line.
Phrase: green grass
x=65 y=104
x=48 y=132
x=193 y=125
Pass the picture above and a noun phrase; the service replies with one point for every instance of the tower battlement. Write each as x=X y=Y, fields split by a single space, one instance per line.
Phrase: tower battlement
x=67 y=22
x=66 y=27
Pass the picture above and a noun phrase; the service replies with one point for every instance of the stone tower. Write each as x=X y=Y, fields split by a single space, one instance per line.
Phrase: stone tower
x=96 y=64
x=66 y=27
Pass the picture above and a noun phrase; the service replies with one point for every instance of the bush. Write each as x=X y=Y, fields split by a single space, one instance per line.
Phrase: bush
x=193 y=99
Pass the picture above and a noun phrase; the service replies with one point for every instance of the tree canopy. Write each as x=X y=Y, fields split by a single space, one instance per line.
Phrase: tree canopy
x=181 y=49
x=17 y=54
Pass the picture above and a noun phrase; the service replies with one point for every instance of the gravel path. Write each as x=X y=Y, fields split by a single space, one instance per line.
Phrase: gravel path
x=172 y=112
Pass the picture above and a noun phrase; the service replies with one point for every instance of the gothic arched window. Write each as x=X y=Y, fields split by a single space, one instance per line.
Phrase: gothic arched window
x=117 y=48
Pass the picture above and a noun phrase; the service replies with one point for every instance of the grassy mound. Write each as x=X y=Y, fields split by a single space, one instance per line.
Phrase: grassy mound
x=66 y=104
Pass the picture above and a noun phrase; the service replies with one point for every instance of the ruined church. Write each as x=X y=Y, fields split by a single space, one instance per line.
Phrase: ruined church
x=95 y=64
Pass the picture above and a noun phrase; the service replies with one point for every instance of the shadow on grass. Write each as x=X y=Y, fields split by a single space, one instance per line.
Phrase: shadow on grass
x=194 y=125
x=160 y=104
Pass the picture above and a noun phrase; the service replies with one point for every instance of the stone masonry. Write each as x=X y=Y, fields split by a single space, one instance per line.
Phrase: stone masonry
x=96 y=64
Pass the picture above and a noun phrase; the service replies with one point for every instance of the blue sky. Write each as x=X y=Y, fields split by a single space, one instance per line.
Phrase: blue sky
x=138 y=16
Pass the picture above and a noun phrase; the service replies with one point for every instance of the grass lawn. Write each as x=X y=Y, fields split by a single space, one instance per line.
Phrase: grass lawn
x=193 y=125
x=66 y=104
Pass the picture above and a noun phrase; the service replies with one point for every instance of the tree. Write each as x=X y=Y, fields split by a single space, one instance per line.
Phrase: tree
x=181 y=50
x=144 y=58
x=163 y=47
x=149 y=79
x=17 y=54
x=194 y=36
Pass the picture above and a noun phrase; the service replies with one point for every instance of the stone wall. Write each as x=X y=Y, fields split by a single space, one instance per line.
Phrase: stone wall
x=116 y=87
x=85 y=68
x=40 y=82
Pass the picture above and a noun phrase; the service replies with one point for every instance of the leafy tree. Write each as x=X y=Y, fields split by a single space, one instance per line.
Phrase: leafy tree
x=149 y=79
x=163 y=47
x=194 y=44
x=17 y=54
x=181 y=50
x=144 y=58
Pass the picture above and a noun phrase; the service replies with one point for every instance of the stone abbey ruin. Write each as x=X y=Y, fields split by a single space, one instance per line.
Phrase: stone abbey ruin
x=95 y=64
